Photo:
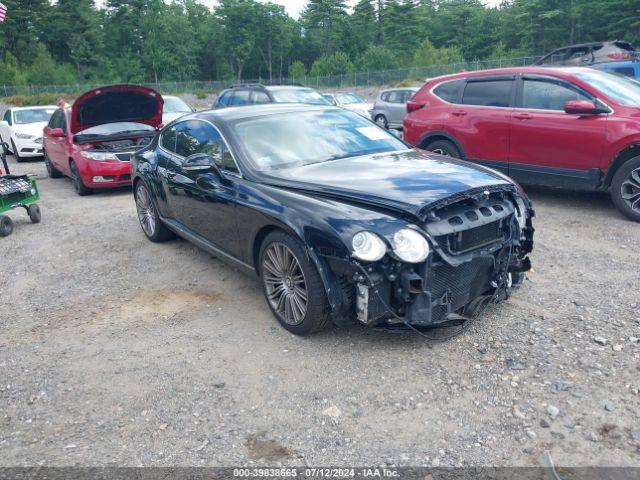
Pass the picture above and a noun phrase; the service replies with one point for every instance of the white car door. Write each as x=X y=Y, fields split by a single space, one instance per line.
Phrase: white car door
x=5 y=127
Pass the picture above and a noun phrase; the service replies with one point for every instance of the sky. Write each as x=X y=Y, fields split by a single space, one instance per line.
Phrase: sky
x=294 y=7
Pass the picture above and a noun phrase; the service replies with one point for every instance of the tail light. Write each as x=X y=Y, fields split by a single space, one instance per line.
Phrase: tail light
x=412 y=106
x=619 y=56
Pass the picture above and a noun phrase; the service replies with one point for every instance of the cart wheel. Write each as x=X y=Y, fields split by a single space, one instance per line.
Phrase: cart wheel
x=34 y=213
x=6 y=226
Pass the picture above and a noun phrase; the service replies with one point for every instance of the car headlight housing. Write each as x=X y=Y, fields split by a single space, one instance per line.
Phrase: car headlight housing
x=24 y=136
x=368 y=246
x=410 y=246
x=521 y=213
x=98 y=156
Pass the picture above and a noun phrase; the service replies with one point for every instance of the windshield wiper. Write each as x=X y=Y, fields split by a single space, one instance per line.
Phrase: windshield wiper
x=359 y=153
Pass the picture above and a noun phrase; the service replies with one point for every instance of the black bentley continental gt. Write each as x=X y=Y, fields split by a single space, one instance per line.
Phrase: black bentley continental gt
x=341 y=220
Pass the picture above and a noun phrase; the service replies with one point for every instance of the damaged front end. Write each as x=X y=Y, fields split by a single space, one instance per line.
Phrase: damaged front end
x=479 y=244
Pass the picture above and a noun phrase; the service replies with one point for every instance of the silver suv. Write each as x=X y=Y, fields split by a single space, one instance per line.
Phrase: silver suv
x=390 y=107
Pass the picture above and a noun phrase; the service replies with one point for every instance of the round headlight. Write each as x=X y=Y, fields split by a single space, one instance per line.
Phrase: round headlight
x=410 y=246
x=368 y=246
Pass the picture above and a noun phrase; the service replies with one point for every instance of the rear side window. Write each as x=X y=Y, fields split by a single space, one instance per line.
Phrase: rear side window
x=626 y=71
x=396 y=96
x=492 y=93
x=223 y=100
x=240 y=97
x=259 y=97
x=541 y=95
x=449 y=91
x=385 y=97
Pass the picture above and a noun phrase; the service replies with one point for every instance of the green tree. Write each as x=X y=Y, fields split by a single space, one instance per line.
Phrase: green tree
x=297 y=70
x=377 y=58
x=334 y=64
x=324 y=22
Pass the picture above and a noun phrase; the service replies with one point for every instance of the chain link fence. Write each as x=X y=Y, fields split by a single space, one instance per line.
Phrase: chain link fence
x=357 y=79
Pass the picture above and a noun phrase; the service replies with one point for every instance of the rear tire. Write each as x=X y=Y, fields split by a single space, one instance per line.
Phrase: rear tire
x=34 y=213
x=16 y=155
x=78 y=185
x=381 y=120
x=51 y=170
x=444 y=147
x=6 y=226
x=292 y=285
x=152 y=226
x=625 y=189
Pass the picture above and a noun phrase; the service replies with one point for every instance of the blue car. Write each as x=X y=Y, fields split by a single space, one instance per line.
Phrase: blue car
x=628 y=68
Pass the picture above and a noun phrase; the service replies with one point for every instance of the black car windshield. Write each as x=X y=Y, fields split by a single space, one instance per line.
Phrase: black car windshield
x=33 y=115
x=305 y=137
x=298 y=95
x=622 y=89
x=117 y=127
x=347 y=98
x=175 y=105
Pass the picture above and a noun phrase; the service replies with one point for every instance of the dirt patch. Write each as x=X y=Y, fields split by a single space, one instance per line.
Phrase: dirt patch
x=259 y=447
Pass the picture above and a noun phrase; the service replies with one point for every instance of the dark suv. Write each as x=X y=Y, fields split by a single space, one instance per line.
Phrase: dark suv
x=256 y=93
x=590 y=54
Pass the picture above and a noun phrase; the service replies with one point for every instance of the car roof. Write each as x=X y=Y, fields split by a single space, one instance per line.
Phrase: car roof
x=249 y=111
x=533 y=70
x=34 y=107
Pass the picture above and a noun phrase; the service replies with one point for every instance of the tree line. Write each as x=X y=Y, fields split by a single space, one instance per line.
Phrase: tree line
x=75 y=41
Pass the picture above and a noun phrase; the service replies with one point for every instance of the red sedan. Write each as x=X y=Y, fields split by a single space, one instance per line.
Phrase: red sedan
x=92 y=142
x=564 y=127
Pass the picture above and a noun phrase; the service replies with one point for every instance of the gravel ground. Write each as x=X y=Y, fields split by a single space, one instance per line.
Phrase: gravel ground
x=117 y=351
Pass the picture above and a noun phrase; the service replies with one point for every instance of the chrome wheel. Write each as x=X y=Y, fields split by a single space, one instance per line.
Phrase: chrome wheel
x=284 y=283
x=146 y=212
x=630 y=190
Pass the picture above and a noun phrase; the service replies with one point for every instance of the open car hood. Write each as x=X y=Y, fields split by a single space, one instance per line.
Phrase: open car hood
x=116 y=103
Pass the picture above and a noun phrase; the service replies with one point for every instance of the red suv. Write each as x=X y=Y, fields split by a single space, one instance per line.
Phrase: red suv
x=573 y=128
x=92 y=141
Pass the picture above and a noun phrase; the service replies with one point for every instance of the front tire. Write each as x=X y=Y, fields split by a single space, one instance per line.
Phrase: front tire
x=152 y=226
x=34 y=213
x=292 y=285
x=625 y=189
x=16 y=155
x=52 y=171
x=381 y=120
x=6 y=226
x=78 y=185
x=444 y=147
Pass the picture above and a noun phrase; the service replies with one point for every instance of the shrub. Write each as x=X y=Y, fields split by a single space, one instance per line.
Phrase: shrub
x=297 y=70
x=33 y=100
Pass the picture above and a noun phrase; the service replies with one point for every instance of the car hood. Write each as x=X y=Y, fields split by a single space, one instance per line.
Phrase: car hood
x=409 y=180
x=116 y=103
x=34 y=129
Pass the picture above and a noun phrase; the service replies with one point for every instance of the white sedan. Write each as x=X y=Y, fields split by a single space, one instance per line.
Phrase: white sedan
x=350 y=101
x=21 y=128
x=174 y=107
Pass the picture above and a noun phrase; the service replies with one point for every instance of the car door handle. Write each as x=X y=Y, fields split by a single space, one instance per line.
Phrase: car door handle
x=523 y=116
x=171 y=174
x=459 y=113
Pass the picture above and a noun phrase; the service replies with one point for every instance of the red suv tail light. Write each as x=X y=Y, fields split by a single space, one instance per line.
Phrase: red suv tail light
x=413 y=106
x=619 y=56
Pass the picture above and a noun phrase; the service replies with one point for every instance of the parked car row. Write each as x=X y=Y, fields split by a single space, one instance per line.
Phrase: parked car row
x=339 y=218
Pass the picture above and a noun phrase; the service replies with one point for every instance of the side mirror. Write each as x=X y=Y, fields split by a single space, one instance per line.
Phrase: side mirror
x=583 y=107
x=202 y=163
x=5 y=148
x=56 y=132
x=4 y=123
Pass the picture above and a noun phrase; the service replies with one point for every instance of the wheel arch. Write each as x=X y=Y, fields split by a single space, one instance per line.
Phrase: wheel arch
x=330 y=281
x=431 y=137
x=628 y=153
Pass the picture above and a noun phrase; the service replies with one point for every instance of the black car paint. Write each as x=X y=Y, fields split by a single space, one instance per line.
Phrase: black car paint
x=323 y=205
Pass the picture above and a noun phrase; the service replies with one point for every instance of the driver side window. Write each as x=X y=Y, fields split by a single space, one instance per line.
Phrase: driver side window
x=194 y=136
